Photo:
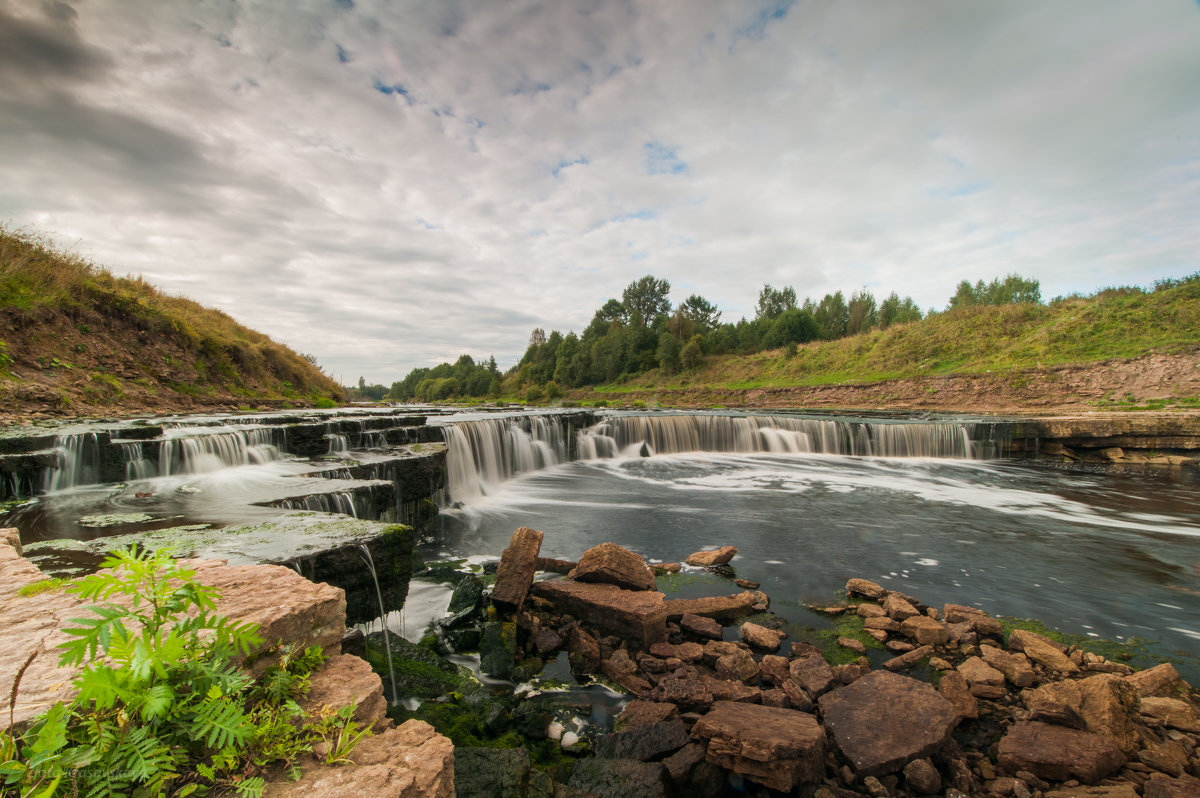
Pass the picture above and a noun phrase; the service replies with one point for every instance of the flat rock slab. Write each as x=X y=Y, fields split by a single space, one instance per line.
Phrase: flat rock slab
x=284 y=605
x=637 y=615
x=884 y=720
x=720 y=608
x=619 y=778
x=1058 y=753
x=409 y=761
x=712 y=557
x=611 y=564
x=643 y=743
x=518 y=564
x=778 y=748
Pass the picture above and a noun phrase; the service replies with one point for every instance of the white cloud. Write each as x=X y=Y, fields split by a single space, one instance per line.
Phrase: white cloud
x=388 y=185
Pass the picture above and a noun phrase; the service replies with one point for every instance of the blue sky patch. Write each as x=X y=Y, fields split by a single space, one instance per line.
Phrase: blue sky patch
x=663 y=160
x=392 y=88
x=342 y=53
x=564 y=164
x=773 y=12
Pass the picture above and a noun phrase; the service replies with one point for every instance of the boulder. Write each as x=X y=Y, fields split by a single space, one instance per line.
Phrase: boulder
x=978 y=620
x=925 y=630
x=732 y=690
x=688 y=693
x=583 y=652
x=897 y=608
x=490 y=772
x=1161 y=680
x=1058 y=753
x=760 y=637
x=680 y=763
x=700 y=626
x=635 y=615
x=884 y=720
x=923 y=777
x=774 y=669
x=1103 y=704
x=1160 y=786
x=1167 y=756
x=1015 y=667
x=556 y=566
x=778 y=748
x=810 y=670
x=498 y=649
x=954 y=688
x=721 y=608
x=882 y=623
x=640 y=712
x=1042 y=651
x=852 y=644
x=518 y=564
x=976 y=671
x=737 y=666
x=619 y=778
x=1171 y=712
x=345 y=680
x=547 y=641
x=870 y=611
x=1125 y=790
x=707 y=559
x=644 y=743
x=611 y=564
x=865 y=588
x=409 y=761
x=906 y=661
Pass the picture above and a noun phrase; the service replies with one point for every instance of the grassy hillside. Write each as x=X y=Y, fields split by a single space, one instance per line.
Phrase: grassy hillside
x=75 y=339
x=1118 y=323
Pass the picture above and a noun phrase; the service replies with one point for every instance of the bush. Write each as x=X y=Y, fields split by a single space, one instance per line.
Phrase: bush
x=553 y=391
x=692 y=355
x=534 y=394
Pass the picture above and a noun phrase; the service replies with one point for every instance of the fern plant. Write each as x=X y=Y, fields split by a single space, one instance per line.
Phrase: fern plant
x=161 y=707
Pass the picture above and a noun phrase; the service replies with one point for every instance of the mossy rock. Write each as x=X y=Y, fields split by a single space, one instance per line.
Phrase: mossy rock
x=419 y=671
x=498 y=649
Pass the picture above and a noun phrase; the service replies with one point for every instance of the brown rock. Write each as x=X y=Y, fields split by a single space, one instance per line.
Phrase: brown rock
x=1159 y=786
x=870 y=611
x=553 y=565
x=954 y=688
x=882 y=623
x=1104 y=704
x=1058 y=753
x=345 y=680
x=852 y=644
x=884 y=720
x=925 y=630
x=878 y=634
x=810 y=670
x=1167 y=756
x=906 y=661
x=409 y=761
x=721 y=608
x=1125 y=790
x=1042 y=651
x=680 y=763
x=547 y=641
x=738 y=666
x=518 y=564
x=700 y=626
x=689 y=652
x=643 y=743
x=712 y=557
x=865 y=588
x=666 y=567
x=611 y=564
x=689 y=694
x=1161 y=680
x=1015 y=667
x=778 y=748
x=760 y=637
x=732 y=690
x=898 y=646
x=776 y=697
x=851 y=672
x=637 y=615
x=976 y=671
x=1171 y=712
x=797 y=696
x=630 y=680
x=978 y=620
x=923 y=777
x=897 y=608
x=988 y=692
x=583 y=652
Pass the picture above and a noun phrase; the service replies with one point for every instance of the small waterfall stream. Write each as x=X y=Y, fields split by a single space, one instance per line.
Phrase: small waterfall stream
x=189 y=451
x=79 y=462
x=387 y=646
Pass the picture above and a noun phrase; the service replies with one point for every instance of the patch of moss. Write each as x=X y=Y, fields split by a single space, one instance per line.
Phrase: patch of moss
x=420 y=672
x=39 y=587
x=825 y=635
x=674 y=583
x=1133 y=648
x=446 y=571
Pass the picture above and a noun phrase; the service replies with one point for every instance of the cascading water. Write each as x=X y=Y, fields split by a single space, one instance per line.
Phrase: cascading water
x=343 y=502
x=185 y=451
x=79 y=462
x=387 y=646
x=137 y=466
x=484 y=453
x=338 y=443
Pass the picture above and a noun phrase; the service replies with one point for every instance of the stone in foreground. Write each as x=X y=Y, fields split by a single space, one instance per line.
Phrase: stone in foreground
x=619 y=778
x=638 y=615
x=714 y=557
x=778 y=748
x=1058 y=753
x=611 y=564
x=518 y=564
x=884 y=720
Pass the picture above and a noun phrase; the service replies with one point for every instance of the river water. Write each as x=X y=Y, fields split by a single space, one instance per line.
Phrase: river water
x=1103 y=555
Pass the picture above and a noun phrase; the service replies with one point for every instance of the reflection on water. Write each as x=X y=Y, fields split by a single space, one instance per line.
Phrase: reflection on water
x=1104 y=555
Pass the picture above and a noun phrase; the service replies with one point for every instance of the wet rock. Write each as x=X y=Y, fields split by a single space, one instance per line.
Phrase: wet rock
x=775 y=697
x=644 y=743
x=1042 y=651
x=897 y=608
x=467 y=597
x=346 y=680
x=1058 y=753
x=1104 y=791
x=680 y=764
x=619 y=778
x=547 y=641
x=738 y=666
x=923 y=777
x=518 y=564
x=797 y=696
x=583 y=652
x=760 y=637
x=555 y=566
x=1015 y=667
x=852 y=644
x=666 y=567
x=687 y=693
x=635 y=615
x=884 y=720
x=354 y=643
x=490 y=772
x=1167 y=756
x=1160 y=786
x=898 y=646
x=778 y=748
x=954 y=688
x=852 y=671
x=701 y=626
x=976 y=671
x=498 y=649
x=1161 y=680
x=611 y=564
x=640 y=712
x=865 y=588
x=712 y=557
x=870 y=611
x=409 y=761
x=1103 y=704
x=746 y=584
x=810 y=670
x=725 y=609
x=925 y=630
x=774 y=669
x=882 y=623
x=978 y=620
x=733 y=690
x=906 y=661
x=1171 y=712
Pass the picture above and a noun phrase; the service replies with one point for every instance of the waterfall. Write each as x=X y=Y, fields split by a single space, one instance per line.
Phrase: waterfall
x=485 y=453
x=338 y=443
x=194 y=451
x=137 y=466
x=344 y=502
x=78 y=462
x=387 y=646
x=631 y=435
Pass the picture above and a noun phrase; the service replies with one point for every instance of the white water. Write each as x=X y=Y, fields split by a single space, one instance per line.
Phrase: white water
x=195 y=451
x=78 y=457
x=481 y=455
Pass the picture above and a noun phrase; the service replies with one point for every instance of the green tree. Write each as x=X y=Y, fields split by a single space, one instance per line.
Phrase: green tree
x=692 y=355
x=703 y=315
x=894 y=310
x=645 y=300
x=668 y=352
x=774 y=301
x=793 y=326
x=862 y=314
x=832 y=316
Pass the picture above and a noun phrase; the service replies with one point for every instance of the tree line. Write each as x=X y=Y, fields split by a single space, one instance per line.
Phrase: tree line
x=643 y=331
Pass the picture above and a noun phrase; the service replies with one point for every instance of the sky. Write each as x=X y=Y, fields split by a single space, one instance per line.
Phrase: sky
x=387 y=185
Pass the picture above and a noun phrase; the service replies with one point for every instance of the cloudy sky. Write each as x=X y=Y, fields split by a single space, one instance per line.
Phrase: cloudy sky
x=390 y=184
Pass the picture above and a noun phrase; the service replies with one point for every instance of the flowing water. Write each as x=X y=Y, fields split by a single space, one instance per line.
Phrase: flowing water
x=810 y=503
